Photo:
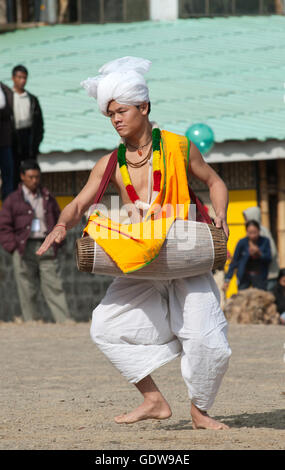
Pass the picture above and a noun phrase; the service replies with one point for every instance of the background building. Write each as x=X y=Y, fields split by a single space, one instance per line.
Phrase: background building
x=226 y=72
x=22 y=13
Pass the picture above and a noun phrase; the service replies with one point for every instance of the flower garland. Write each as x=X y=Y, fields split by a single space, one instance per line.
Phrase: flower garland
x=156 y=170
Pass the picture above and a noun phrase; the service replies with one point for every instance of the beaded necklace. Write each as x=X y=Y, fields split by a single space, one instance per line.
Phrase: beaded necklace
x=156 y=170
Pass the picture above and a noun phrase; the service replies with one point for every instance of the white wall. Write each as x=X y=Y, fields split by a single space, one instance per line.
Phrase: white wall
x=163 y=9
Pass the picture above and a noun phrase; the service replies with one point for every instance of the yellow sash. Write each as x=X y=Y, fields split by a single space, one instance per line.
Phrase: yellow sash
x=133 y=246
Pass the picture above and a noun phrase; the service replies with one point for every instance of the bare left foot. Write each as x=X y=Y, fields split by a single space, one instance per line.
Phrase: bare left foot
x=201 y=420
x=147 y=410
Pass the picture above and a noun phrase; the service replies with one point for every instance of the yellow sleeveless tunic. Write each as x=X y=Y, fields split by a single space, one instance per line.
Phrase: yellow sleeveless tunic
x=133 y=246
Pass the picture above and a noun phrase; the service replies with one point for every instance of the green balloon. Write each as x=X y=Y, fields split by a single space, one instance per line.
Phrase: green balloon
x=202 y=136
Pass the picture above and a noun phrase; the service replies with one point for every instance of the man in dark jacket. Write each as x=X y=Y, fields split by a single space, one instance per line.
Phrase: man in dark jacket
x=6 y=156
x=28 y=125
x=27 y=216
x=251 y=259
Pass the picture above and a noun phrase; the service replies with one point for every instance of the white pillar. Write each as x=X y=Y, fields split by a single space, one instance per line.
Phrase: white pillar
x=50 y=11
x=163 y=9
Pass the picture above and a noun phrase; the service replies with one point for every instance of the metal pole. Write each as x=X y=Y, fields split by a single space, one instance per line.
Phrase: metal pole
x=19 y=11
x=207 y=7
x=79 y=11
x=102 y=11
x=125 y=13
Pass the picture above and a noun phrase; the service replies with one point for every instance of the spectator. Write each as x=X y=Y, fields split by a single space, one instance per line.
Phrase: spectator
x=279 y=292
x=6 y=156
x=251 y=259
x=27 y=215
x=28 y=129
x=254 y=213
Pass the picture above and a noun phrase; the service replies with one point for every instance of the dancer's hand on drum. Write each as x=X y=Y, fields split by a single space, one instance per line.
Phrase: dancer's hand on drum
x=220 y=222
x=57 y=235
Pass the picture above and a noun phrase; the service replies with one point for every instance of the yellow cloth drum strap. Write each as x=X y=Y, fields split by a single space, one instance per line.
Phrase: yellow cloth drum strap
x=133 y=246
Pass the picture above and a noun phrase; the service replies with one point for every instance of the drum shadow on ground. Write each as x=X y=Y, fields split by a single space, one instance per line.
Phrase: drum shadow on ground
x=269 y=419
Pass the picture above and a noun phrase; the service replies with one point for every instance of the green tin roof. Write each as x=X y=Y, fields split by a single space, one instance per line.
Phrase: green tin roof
x=226 y=72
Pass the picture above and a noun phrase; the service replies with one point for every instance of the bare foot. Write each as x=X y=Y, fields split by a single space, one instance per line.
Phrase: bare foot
x=201 y=420
x=147 y=410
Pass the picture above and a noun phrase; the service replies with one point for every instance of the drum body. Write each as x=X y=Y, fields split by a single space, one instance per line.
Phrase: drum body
x=190 y=249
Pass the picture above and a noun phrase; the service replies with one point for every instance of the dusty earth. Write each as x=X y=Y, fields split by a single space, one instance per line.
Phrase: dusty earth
x=59 y=392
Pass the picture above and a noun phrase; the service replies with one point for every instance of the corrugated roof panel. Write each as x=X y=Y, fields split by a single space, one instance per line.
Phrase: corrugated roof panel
x=226 y=72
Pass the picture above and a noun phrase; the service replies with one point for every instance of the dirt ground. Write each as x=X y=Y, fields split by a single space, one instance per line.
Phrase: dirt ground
x=59 y=392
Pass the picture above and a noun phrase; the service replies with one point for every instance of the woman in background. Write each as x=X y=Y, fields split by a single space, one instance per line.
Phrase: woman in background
x=251 y=259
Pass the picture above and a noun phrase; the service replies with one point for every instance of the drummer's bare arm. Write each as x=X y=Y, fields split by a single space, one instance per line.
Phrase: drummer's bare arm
x=217 y=188
x=73 y=212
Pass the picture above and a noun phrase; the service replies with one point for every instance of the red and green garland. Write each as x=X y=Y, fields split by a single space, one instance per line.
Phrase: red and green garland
x=156 y=170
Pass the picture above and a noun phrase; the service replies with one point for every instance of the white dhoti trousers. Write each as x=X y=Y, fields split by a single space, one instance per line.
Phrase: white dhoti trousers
x=141 y=325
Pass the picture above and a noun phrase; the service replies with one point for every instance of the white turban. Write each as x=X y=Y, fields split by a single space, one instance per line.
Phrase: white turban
x=120 y=80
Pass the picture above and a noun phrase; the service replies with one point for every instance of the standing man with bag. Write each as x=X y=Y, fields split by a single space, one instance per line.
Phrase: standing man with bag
x=142 y=324
x=27 y=215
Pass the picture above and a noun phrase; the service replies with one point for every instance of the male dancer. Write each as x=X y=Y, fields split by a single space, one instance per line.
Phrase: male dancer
x=140 y=324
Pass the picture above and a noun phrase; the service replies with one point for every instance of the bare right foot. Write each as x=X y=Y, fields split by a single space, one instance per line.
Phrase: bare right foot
x=201 y=420
x=149 y=409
